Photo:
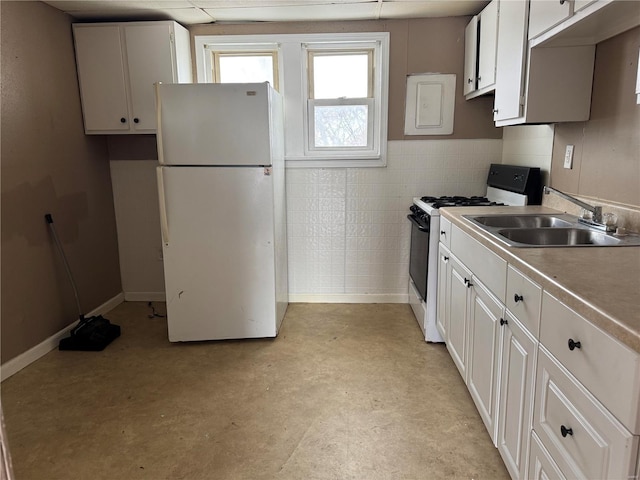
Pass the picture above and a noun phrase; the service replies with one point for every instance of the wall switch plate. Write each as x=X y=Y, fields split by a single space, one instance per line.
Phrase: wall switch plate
x=568 y=157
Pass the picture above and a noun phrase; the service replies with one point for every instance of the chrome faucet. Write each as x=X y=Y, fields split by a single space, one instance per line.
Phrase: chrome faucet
x=595 y=221
x=596 y=210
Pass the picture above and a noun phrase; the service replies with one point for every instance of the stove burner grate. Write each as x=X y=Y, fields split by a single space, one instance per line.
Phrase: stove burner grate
x=458 y=201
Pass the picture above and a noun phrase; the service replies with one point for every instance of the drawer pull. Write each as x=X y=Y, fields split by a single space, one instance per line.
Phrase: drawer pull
x=573 y=345
x=518 y=298
x=566 y=431
x=503 y=322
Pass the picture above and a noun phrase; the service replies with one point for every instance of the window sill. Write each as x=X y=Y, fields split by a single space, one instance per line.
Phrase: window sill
x=302 y=162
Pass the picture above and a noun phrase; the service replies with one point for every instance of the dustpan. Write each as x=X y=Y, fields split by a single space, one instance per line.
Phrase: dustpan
x=91 y=334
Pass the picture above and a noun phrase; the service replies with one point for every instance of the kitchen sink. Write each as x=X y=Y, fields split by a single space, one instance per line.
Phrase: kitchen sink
x=522 y=221
x=557 y=237
x=547 y=230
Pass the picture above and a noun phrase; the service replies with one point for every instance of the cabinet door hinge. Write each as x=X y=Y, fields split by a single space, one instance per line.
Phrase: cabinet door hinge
x=522 y=100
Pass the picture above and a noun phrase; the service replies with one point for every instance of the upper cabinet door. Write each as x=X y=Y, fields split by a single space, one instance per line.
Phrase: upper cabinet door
x=512 y=50
x=102 y=78
x=470 y=55
x=488 y=45
x=149 y=60
x=545 y=14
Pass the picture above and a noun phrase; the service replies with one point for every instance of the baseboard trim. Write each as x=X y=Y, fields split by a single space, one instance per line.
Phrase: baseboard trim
x=16 y=364
x=349 y=298
x=145 y=297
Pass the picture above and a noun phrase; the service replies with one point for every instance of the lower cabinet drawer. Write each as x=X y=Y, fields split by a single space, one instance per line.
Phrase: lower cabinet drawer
x=607 y=368
x=582 y=437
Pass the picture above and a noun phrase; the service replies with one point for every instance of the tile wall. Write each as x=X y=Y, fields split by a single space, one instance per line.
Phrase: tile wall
x=348 y=236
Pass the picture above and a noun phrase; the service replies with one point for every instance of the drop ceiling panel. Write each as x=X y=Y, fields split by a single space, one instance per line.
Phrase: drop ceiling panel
x=341 y=11
x=421 y=8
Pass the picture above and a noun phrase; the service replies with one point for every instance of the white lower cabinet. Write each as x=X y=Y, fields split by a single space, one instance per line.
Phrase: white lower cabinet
x=517 y=374
x=442 y=311
x=483 y=366
x=559 y=397
x=584 y=439
x=541 y=465
x=458 y=307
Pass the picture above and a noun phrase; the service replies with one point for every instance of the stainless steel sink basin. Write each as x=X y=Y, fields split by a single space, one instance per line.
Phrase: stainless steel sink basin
x=547 y=230
x=522 y=221
x=557 y=237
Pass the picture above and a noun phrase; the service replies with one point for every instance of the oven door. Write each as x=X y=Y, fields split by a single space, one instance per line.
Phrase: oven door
x=419 y=254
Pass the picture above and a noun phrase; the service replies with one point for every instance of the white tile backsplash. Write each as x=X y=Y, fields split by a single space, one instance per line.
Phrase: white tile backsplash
x=347 y=227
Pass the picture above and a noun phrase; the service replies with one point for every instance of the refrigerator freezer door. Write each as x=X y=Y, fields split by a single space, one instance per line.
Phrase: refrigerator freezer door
x=214 y=124
x=219 y=252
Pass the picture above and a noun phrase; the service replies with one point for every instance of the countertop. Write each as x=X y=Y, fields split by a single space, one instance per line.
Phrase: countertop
x=600 y=283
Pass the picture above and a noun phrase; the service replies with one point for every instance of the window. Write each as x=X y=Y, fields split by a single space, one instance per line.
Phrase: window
x=340 y=98
x=245 y=67
x=334 y=87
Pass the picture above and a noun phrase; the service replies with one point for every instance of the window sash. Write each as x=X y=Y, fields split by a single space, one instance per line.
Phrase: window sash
x=216 y=71
x=332 y=151
x=312 y=53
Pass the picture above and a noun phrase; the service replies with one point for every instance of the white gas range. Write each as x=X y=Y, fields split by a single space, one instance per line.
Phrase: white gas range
x=506 y=185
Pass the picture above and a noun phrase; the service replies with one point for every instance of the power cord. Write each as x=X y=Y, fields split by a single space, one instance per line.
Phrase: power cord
x=153 y=311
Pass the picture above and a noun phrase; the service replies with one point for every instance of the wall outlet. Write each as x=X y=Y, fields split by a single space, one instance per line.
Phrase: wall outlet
x=568 y=157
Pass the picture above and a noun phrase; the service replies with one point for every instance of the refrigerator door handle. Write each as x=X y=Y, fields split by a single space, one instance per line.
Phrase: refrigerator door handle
x=164 y=224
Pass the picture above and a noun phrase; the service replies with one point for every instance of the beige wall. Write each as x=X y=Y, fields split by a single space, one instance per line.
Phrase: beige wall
x=607 y=147
x=427 y=45
x=49 y=166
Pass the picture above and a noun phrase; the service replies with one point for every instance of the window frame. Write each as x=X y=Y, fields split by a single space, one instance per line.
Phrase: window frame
x=293 y=82
x=217 y=54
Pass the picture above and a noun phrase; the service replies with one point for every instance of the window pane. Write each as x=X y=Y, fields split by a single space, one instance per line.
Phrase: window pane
x=343 y=75
x=246 y=69
x=340 y=126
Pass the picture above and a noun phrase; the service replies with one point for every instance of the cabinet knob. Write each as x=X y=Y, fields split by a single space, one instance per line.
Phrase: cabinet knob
x=495 y=110
x=469 y=80
x=573 y=345
x=518 y=298
x=446 y=259
x=123 y=120
x=503 y=322
x=136 y=120
x=565 y=431
x=442 y=232
x=562 y=2
x=468 y=282
x=479 y=79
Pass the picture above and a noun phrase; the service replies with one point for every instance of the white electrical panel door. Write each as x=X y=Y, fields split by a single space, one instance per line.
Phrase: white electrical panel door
x=430 y=104
x=219 y=252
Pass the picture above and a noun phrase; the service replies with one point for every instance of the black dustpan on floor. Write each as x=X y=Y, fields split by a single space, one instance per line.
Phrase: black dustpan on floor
x=91 y=334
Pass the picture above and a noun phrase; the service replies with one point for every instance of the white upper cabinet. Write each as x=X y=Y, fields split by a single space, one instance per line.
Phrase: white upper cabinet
x=118 y=63
x=545 y=14
x=511 y=56
x=471 y=56
x=487 y=48
x=539 y=85
x=481 y=37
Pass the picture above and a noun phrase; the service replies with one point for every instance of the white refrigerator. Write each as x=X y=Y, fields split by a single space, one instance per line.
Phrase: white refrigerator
x=221 y=185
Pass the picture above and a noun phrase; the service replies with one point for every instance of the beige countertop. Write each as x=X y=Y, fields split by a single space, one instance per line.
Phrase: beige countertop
x=600 y=283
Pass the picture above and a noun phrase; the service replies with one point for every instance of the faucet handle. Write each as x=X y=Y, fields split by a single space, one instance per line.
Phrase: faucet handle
x=597 y=214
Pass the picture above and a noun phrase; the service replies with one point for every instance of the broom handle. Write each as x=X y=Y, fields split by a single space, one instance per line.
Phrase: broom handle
x=56 y=240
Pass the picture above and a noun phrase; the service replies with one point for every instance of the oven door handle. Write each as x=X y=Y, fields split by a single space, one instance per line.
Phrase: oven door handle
x=418 y=225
